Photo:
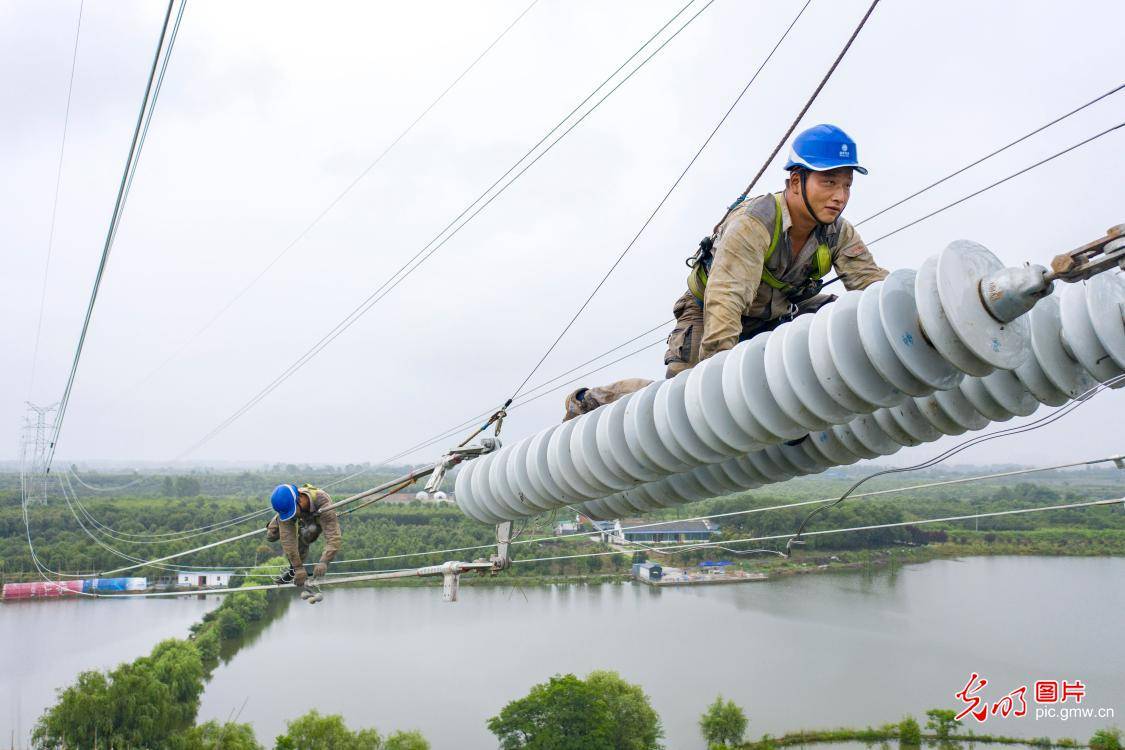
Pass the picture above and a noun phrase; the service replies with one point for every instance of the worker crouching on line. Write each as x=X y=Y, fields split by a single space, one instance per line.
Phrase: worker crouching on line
x=302 y=515
x=765 y=262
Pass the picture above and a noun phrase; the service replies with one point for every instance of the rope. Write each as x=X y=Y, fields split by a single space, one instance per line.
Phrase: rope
x=119 y=205
x=805 y=109
x=668 y=194
x=430 y=248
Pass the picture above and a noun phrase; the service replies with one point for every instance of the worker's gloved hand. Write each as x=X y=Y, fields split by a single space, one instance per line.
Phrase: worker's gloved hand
x=300 y=577
x=320 y=569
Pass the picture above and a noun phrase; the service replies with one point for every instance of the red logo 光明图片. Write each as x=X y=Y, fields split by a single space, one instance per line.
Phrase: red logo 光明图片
x=1014 y=703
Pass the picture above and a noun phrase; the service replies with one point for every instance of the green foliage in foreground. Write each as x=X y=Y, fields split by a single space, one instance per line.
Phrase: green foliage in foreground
x=602 y=712
x=215 y=736
x=909 y=734
x=942 y=722
x=1106 y=739
x=723 y=724
x=315 y=731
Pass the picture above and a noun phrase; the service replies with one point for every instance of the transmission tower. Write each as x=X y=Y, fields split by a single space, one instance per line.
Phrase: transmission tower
x=34 y=446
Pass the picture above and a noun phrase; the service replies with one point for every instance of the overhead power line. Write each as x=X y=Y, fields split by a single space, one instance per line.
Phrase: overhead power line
x=453 y=227
x=55 y=202
x=989 y=155
x=331 y=204
x=148 y=106
x=986 y=188
x=668 y=194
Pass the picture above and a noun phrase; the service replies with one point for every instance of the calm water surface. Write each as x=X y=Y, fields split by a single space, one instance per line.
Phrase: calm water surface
x=809 y=651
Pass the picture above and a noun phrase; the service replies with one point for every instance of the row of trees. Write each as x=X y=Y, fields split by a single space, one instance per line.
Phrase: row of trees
x=152 y=702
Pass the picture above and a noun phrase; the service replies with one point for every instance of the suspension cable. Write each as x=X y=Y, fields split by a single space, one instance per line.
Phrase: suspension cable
x=331 y=205
x=974 y=194
x=668 y=194
x=55 y=202
x=150 y=95
x=987 y=156
x=430 y=248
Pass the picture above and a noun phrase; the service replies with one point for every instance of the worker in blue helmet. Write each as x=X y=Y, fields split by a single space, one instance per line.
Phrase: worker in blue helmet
x=303 y=513
x=768 y=258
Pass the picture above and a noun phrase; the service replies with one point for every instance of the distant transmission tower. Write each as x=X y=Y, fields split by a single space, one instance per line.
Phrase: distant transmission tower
x=33 y=451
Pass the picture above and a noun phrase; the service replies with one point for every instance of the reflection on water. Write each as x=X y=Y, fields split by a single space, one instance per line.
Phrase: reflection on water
x=808 y=651
x=801 y=652
x=47 y=643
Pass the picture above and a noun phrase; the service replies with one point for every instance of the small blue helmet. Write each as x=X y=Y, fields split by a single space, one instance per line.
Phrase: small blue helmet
x=284 y=501
x=821 y=148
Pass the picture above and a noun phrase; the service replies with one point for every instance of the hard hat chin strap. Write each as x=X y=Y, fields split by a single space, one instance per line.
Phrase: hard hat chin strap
x=820 y=225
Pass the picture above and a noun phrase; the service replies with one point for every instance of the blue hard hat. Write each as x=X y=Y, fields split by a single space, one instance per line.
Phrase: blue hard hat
x=284 y=501
x=821 y=148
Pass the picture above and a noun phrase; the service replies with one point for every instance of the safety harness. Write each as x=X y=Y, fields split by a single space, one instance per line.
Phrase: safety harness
x=822 y=264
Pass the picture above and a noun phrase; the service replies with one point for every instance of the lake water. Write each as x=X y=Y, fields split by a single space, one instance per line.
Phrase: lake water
x=801 y=652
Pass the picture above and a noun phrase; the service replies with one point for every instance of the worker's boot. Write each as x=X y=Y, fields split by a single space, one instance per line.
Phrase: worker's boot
x=285 y=578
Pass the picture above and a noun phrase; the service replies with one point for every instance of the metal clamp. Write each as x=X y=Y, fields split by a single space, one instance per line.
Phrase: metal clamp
x=456 y=456
x=1095 y=257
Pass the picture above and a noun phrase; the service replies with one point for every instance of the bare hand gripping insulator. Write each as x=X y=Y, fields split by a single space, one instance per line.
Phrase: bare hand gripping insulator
x=906 y=361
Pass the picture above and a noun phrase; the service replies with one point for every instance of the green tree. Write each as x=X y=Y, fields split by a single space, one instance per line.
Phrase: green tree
x=637 y=725
x=215 y=736
x=909 y=733
x=141 y=704
x=314 y=731
x=566 y=713
x=1106 y=739
x=724 y=723
x=412 y=740
x=942 y=722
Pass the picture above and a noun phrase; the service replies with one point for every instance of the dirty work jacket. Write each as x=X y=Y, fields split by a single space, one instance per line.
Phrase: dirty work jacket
x=734 y=289
x=295 y=541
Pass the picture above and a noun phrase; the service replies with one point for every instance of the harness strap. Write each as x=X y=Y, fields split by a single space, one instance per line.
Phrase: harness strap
x=822 y=262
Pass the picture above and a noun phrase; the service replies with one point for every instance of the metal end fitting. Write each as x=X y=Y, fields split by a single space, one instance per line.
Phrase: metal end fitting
x=1010 y=292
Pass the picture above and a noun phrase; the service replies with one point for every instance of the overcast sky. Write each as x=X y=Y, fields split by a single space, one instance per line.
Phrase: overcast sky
x=270 y=109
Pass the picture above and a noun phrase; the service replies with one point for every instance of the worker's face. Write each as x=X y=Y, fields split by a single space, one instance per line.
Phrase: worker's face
x=303 y=502
x=828 y=192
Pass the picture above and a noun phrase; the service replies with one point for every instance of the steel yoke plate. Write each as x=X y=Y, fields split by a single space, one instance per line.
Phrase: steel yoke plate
x=899 y=314
x=850 y=358
x=960 y=267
